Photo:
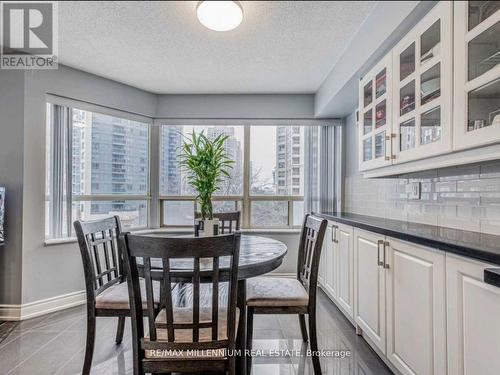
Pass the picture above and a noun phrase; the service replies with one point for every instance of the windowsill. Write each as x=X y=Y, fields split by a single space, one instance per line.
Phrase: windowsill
x=62 y=241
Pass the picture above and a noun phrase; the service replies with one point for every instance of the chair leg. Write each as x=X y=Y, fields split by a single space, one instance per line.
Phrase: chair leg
x=119 y=330
x=232 y=366
x=314 y=343
x=89 y=348
x=250 y=314
x=303 y=329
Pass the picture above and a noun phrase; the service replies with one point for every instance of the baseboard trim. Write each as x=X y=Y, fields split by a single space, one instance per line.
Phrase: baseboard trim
x=42 y=307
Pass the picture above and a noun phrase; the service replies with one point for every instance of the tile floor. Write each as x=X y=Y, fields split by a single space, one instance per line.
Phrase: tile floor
x=54 y=345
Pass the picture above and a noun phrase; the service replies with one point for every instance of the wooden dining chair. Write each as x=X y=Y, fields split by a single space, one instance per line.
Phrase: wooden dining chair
x=229 y=221
x=105 y=281
x=270 y=295
x=187 y=338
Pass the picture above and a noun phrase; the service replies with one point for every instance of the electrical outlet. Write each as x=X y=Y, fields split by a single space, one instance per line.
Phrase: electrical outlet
x=413 y=190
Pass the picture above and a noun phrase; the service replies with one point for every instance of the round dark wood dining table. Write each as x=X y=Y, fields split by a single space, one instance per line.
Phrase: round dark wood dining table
x=258 y=256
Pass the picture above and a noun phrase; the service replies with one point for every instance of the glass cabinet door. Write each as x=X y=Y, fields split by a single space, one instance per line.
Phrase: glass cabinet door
x=423 y=87
x=375 y=114
x=477 y=73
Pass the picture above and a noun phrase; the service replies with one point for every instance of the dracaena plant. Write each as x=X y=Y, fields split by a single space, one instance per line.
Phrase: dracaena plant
x=207 y=165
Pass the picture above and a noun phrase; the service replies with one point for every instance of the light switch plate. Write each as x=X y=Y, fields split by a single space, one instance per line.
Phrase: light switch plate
x=413 y=190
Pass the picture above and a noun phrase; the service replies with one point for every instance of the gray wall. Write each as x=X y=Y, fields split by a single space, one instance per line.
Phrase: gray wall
x=31 y=271
x=465 y=197
x=383 y=28
x=235 y=106
x=56 y=270
x=11 y=176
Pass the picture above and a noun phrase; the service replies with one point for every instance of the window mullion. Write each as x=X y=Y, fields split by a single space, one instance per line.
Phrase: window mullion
x=69 y=169
x=246 y=178
x=155 y=145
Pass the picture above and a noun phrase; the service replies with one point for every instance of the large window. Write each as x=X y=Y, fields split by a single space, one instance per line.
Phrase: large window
x=97 y=166
x=267 y=180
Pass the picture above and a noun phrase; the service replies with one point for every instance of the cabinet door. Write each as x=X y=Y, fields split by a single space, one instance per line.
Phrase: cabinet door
x=331 y=265
x=477 y=73
x=375 y=114
x=344 y=254
x=422 y=87
x=473 y=318
x=369 y=287
x=322 y=262
x=416 y=318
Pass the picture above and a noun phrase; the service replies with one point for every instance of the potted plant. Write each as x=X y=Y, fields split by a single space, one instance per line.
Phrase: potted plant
x=207 y=164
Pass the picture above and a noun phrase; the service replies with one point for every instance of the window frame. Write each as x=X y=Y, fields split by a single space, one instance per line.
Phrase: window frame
x=56 y=224
x=246 y=198
x=155 y=201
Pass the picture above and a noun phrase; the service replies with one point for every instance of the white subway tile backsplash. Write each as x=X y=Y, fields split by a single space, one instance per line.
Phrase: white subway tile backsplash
x=490 y=170
x=480 y=185
x=460 y=198
x=446 y=186
x=463 y=197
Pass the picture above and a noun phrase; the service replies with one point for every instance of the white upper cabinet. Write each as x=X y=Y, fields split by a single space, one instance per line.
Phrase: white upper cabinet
x=375 y=108
x=476 y=73
x=422 y=88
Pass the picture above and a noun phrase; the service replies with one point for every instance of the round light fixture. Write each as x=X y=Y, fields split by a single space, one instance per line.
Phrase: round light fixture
x=220 y=15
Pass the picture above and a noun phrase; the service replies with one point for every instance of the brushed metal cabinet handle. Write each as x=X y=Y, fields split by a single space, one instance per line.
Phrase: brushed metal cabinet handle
x=379 y=262
x=386 y=245
x=334 y=233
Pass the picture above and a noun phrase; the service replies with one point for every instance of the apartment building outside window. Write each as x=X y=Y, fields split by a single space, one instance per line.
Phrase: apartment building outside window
x=260 y=184
x=98 y=165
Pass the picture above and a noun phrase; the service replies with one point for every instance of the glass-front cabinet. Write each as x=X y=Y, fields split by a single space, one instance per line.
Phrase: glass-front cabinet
x=476 y=73
x=422 y=88
x=375 y=106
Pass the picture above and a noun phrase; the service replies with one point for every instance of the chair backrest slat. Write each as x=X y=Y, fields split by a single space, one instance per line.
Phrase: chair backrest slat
x=100 y=254
x=215 y=298
x=167 y=286
x=229 y=222
x=205 y=275
x=311 y=242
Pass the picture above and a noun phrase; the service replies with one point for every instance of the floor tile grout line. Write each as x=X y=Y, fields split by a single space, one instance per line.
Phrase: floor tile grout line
x=35 y=352
x=10 y=339
x=40 y=348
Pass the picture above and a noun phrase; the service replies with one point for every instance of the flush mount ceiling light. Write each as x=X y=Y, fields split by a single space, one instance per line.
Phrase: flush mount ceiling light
x=220 y=15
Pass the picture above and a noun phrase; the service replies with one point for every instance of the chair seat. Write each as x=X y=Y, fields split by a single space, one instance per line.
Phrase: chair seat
x=276 y=292
x=116 y=296
x=185 y=315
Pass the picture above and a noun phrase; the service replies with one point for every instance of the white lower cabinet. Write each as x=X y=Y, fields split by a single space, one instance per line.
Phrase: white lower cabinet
x=416 y=310
x=325 y=258
x=344 y=259
x=473 y=318
x=369 y=284
x=425 y=312
x=330 y=281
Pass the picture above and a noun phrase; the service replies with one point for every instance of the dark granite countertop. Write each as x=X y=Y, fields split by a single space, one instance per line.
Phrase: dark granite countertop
x=481 y=246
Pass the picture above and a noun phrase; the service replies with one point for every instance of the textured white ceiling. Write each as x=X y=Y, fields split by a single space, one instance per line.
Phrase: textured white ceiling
x=280 y=47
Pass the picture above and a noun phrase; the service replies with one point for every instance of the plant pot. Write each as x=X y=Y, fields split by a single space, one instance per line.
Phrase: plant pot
x=208 y=228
